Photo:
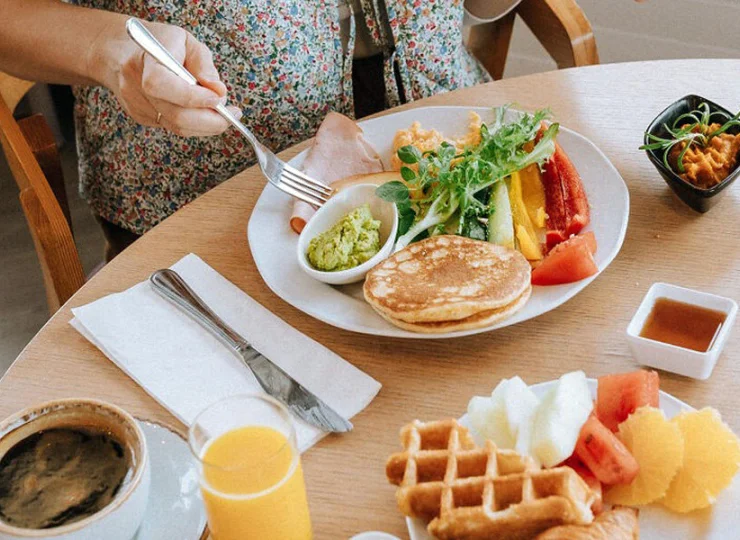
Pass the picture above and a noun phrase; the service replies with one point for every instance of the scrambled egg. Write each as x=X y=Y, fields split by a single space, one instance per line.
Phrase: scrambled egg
x=429 y=139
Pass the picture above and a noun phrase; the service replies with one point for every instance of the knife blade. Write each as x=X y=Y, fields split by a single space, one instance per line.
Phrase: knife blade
x=273 y=380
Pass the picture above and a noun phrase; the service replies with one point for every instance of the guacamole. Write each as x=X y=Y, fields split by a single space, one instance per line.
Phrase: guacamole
x=350 y=242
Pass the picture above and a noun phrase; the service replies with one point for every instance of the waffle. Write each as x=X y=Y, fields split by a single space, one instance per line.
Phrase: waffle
x=470 y=492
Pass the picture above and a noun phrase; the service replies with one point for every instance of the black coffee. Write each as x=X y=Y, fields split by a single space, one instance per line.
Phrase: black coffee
x=60 y=476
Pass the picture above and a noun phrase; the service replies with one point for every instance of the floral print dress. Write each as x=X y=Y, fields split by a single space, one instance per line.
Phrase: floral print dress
x=284 y=65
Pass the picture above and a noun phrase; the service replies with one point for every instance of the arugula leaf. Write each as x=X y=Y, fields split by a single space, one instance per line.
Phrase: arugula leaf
x=395 y=192
x=446 y=151
x=408 y=174
x=409 y=154
x=406 y=217
x=398 y=193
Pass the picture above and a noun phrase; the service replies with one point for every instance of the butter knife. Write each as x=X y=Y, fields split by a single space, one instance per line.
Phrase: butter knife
x=168 y=284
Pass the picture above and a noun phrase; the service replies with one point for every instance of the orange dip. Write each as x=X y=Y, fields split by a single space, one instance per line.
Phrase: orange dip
x=707 y=166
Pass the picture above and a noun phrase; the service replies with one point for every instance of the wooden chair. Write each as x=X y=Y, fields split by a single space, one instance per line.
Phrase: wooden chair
x=559 y=25
x=34 y=162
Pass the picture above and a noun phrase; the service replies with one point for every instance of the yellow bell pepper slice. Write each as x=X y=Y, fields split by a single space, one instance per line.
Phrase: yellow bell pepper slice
x=533 y=194
x=526 y=233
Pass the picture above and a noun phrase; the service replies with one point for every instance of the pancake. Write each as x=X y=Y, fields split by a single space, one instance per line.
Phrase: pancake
x=479 y=320
x=446 y=278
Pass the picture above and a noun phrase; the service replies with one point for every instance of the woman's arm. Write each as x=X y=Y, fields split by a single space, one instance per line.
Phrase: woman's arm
x=47 y=40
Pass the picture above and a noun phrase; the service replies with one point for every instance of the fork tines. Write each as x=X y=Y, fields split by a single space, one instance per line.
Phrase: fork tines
x=299 y=185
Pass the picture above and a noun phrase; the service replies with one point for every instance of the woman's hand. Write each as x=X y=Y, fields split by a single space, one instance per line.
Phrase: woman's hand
x=154 y=96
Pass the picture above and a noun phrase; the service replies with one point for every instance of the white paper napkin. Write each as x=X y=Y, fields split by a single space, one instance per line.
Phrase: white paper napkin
x=186 y=369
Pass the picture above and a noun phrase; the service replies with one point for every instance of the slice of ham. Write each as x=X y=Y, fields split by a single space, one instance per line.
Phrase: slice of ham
x=338 y=151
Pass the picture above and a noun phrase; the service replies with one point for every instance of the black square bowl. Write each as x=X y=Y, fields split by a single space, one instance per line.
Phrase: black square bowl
x=697 y=198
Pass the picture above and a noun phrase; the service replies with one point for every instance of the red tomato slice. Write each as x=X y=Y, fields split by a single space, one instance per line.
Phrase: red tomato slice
x=605 y=455
x=587 y=238
x=569 y=262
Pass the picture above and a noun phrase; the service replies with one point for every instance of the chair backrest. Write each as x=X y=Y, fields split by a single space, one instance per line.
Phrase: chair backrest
x=560 y=26
x=30 y=150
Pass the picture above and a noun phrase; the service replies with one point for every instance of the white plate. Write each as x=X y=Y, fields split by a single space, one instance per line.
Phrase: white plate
x=273 y=243
x=175 y=509
x=656 y=522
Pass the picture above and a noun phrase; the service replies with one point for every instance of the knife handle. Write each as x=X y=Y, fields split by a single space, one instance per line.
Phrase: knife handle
x=170 y=285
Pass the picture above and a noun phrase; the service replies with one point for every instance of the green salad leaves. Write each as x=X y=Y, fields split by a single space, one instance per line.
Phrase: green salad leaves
x=447 y=191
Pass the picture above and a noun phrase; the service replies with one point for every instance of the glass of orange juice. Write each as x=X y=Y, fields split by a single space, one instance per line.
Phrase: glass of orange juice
x=250 y=470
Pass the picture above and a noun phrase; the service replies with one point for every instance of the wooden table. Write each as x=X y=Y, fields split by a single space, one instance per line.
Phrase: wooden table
x=666 y=241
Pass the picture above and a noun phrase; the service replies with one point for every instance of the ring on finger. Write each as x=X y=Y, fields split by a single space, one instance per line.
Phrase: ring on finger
x=159 y=118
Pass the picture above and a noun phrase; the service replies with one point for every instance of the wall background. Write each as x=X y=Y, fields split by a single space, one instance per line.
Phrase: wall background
x=655 y=29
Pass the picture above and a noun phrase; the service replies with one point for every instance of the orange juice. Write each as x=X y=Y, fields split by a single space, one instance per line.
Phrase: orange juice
x=253 y=486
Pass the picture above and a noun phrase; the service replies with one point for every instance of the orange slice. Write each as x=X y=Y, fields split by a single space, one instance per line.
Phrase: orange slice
x=657 y=445
x=711 y=459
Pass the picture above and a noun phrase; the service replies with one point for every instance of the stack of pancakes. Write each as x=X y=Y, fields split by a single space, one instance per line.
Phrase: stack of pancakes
x=449 y=283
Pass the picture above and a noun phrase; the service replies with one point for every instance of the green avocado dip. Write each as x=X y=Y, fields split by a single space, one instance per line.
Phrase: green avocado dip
x=350 y=242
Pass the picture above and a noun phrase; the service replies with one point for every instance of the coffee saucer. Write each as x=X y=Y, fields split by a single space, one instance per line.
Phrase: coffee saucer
x=175 y=508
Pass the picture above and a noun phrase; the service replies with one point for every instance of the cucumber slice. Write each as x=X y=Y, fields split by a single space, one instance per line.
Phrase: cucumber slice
x=500 y=220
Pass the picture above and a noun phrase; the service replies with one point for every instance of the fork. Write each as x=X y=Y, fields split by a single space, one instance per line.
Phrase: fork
x=278 y=173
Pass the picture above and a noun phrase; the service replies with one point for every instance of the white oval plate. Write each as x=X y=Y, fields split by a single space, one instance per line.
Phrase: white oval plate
x=273 y=243
x=656 y=522
x=175 y=510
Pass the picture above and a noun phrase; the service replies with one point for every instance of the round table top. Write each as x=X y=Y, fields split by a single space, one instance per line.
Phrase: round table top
x=345 y=475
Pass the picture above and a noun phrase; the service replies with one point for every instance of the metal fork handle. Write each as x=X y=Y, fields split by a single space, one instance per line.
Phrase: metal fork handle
x=169 y=284
x=144 y=38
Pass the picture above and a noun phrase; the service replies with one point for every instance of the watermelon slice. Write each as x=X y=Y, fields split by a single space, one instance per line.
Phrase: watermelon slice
x=605 y=455
x=621 y=394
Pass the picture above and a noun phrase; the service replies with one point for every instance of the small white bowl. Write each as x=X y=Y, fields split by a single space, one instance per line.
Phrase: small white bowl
x=687 y=362
x=120 y=519
x=374 y=535
x=335 y=209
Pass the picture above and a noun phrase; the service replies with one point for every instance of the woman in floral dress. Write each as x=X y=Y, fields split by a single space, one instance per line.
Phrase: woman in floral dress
x=149 y=143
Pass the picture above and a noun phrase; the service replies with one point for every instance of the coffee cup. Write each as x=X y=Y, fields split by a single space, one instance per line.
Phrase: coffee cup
x=66 y=450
